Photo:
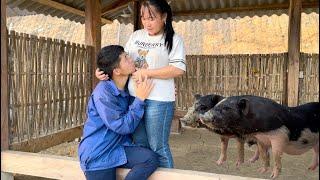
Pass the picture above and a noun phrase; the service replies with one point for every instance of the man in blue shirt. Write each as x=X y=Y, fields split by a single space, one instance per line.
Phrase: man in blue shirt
x=106 y=142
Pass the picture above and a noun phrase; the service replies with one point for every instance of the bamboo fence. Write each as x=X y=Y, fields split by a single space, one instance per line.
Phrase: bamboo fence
x=49 y=82
x=245 y=74
x=308 y=78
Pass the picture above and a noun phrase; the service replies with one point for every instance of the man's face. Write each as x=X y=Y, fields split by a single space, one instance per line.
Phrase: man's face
x=126 y=66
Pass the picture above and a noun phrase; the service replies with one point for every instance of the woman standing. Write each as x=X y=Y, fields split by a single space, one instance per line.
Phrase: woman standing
x=158 y=53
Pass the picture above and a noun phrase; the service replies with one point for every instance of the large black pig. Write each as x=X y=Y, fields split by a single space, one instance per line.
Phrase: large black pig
x=200 y=106
x=291 y=130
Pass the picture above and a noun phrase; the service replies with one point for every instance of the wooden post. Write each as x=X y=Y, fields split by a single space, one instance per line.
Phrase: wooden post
x=7 y=176
x=4 y=79
x=136 y=16
x=93 y=32
x=293 y=52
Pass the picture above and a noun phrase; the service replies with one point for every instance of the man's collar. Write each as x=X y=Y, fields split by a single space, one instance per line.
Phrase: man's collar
x=114 y=89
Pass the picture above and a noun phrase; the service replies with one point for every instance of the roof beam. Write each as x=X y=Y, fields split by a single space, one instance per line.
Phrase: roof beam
x=115 y=6
x=67 y=8
x=314 y=4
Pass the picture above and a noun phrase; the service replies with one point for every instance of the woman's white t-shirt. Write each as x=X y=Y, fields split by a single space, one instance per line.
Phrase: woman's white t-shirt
x=150 y=52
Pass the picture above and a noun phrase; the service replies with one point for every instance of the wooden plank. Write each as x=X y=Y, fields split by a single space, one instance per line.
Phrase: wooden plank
x=59 y=167
x=44 y=142
x=60 y=65
x=314 y=4
x=65 y=105
x=4 y=79
x=66 y=8
x=54 y=86
x=13 y=79
x=115 y=6
x=41 y=165
x=67 y=93
x=294 y=51
x=80 y=85
x=49 y=74
x=33 y=90
x=76 y=86
x=93 y=33
x=178 y=174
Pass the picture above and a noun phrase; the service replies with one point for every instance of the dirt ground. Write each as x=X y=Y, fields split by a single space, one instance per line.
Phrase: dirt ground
x=198 y=149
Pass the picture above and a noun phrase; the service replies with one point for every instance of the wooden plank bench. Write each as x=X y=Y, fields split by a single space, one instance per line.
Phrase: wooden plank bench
x=60 y=167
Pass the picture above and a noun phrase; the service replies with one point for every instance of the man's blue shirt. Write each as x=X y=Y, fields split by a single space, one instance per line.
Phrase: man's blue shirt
x=110 y=121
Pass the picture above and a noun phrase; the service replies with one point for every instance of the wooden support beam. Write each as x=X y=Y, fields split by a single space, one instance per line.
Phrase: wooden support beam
x=7 y=176
x=66 y=8
x=176 y=124
x=293 y=51
x=4 y=79
x=314 y=4
x=93 y=32
x=115 y=6
x=136 y=16
x=45 y=142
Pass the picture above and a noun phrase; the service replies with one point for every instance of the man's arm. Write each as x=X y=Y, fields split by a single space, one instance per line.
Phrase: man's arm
x=113 y=117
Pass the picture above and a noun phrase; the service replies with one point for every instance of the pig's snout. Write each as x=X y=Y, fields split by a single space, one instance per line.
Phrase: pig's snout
x=211 y=117
x=187 y=121
x=207 y=117
x=183 y=121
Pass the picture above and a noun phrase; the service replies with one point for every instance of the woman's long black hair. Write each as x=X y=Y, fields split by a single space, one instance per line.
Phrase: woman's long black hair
x=163 y=7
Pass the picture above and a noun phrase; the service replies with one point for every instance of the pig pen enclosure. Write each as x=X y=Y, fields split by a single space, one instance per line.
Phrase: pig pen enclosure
x=46 y=82
x=193 y=149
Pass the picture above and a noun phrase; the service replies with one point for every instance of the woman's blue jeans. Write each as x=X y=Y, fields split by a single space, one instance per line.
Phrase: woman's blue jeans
x=153 y=130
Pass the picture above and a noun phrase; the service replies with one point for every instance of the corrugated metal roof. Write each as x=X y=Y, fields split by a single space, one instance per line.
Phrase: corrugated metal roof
x=183 y=10
x=240 y=8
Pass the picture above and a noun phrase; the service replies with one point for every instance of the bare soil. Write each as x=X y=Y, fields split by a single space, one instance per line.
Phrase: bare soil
x=198 y=149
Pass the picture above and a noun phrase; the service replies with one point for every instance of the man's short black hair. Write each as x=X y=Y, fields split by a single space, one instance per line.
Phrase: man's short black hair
x=109 y=58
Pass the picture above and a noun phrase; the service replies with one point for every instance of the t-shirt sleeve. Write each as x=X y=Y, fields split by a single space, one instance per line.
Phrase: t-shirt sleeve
x=177 y=56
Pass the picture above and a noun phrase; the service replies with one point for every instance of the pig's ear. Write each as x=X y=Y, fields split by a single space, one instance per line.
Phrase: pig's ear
x=197 y=96
x=215 y=99
x=243 y=105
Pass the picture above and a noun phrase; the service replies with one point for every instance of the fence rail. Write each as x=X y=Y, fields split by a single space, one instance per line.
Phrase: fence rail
x=49 y=83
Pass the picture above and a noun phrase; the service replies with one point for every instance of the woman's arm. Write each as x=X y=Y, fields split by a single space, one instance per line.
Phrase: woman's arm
x=160 y=73
x=100 y=75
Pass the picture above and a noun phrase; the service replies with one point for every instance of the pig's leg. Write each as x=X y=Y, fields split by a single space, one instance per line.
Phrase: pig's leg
x=223 y=153
x=277 y=151
x=315 y=160
x=255 y=156
x=263 y=151
x=240 y=148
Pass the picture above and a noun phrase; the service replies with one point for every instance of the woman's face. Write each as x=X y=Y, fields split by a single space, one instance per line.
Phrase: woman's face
x=152 y=20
